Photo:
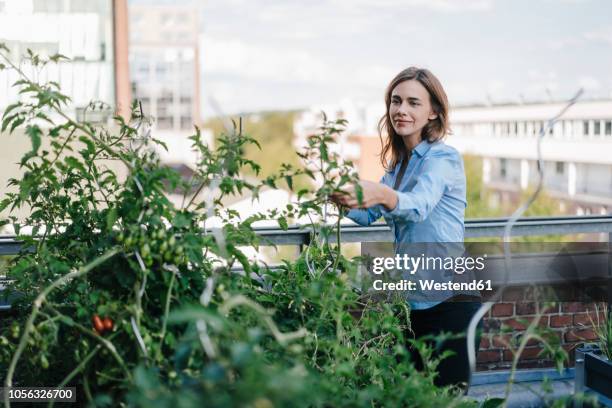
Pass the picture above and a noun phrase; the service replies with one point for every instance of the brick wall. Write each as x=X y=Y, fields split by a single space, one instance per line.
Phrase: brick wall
x=569 y=321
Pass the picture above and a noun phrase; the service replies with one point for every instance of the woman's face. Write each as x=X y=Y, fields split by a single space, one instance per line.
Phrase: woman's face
x=410 y=109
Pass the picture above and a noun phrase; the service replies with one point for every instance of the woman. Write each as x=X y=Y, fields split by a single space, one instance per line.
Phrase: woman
x=422 y=198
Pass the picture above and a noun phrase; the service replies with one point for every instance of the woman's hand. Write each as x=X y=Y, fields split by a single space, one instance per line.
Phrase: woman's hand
x=373 y=193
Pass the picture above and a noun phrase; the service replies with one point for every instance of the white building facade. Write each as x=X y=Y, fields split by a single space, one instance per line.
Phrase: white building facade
x=81 y=30
x=576 y=152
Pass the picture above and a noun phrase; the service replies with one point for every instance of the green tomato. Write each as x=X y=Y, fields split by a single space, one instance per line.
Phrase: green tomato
x=44 y=363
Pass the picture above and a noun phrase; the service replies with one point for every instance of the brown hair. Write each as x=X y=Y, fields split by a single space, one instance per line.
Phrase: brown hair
x=435 y=129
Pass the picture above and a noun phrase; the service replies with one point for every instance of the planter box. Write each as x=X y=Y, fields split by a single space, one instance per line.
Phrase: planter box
x=598 y=373
x=594 y=372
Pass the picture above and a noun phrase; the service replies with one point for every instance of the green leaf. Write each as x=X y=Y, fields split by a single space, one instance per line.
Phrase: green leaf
x=7 y=120
x=180 y=220
x=10 y=108
x=16 y=123
x=282 y=222
x=34 y=132
x=190 y=314
x=74 y=163
x=289 y=181
x=57 y=57
x=68 y=321
x=90 y=147
x=493 y=403
x=111 y=218
x=359 y=193
x=4 y=203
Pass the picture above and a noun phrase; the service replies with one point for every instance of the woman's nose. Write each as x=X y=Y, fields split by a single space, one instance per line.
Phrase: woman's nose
x=402 y=108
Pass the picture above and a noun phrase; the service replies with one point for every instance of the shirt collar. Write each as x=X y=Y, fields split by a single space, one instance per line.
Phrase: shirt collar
x=422 y=148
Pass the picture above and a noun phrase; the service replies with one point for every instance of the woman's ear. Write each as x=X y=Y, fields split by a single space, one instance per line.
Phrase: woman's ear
x=433 y=115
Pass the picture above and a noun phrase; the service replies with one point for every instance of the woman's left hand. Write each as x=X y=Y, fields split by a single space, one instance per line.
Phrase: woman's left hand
x=373 y=193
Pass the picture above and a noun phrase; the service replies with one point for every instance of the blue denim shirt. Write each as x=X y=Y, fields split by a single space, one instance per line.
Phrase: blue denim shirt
x=431 y=200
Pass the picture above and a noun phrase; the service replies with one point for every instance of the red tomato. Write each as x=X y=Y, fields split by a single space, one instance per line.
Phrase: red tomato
x=97 y=323
x=108 y=323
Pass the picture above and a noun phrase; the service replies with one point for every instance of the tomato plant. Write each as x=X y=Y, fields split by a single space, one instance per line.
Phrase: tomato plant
x=144 y=294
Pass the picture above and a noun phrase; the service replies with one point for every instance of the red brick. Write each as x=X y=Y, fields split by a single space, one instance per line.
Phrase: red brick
x=532 y=342
x=502 y=309
x=508 y=356
x=500 y=340
x=484 y=342
x=525 y=308
x=515 y=324
x=488 y=356
x=575 y=307
x=587 y=319
x=489 y=324
x=529 y=353
x=577 y=335
x=561 y=321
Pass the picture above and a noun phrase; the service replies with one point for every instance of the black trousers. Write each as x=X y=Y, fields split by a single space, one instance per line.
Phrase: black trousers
x=450 y=317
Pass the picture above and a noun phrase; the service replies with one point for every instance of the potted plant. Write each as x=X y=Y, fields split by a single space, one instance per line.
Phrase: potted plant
x=594 y=360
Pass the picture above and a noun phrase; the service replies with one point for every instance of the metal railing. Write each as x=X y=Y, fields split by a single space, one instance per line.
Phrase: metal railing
x=380 y=232
x=474 y=228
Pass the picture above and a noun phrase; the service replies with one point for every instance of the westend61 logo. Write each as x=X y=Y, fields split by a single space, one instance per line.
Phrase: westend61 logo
x=412 y=264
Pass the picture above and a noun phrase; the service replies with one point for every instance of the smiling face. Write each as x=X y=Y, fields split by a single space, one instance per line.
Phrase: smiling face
x=410 y=110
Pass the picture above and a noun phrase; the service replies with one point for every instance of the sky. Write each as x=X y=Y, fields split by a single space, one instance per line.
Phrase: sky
x=277 y=55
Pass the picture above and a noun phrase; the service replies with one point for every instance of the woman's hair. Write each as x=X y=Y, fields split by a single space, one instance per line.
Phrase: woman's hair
x=393 y=148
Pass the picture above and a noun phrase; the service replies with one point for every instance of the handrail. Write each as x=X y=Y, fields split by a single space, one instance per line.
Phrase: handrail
x=380 y=232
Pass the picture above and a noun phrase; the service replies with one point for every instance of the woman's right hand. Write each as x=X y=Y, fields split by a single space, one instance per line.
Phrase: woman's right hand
x=338 y=198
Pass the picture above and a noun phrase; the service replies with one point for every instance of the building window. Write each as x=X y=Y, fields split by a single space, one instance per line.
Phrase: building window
x=597 y=128
x=48 y=6
x=165 y=122
x=186 y=122
x=503 y=167
x=585 y=127
x=559 y=168
x=609 y=128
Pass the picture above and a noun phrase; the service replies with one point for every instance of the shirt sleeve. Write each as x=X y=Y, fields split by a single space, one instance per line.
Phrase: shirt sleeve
x=365 y=216
x=416 y=205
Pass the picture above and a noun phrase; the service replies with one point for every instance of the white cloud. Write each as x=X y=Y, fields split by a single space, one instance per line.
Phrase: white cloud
x=589 y=83
x=444 y=6
x=602 y=35
x=259 y=62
